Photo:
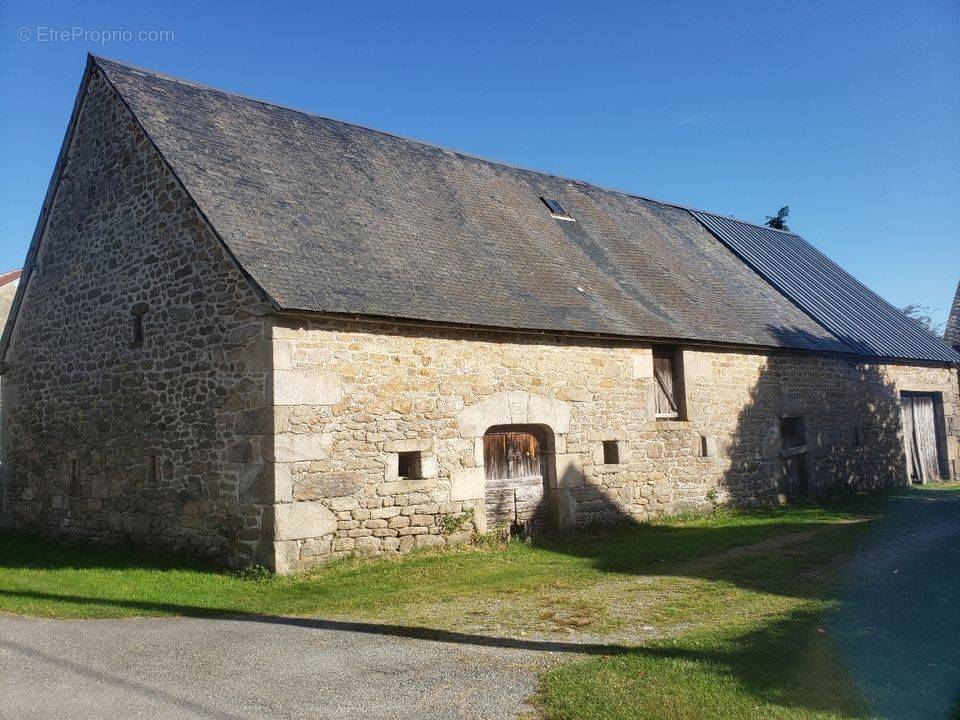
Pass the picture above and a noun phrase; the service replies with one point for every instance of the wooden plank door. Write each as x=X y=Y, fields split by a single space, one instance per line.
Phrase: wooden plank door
x=515 y=495
x=920 y=437
x=793 y=457
x=909 y=439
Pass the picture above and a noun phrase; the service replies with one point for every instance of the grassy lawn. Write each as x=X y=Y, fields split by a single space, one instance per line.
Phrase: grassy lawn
x=696 y=617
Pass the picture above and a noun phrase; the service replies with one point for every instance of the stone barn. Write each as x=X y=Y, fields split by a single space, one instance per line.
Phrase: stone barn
x=258 y=335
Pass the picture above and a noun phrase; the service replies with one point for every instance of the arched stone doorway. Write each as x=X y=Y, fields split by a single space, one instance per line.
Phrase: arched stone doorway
x=547 y=420
x=516 y=474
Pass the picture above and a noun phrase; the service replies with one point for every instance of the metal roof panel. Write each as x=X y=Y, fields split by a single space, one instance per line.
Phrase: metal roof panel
x=863 y=320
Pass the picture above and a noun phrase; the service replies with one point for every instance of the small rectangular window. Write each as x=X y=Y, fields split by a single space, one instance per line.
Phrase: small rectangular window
x=668 y=382
x=555 y=207
x=611 y=452
x=137 y=323
x=408 y=464
x=792 y=433
x=72 y=486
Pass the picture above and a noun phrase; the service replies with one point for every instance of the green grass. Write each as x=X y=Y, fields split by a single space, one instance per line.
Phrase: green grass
x=64 y=580
x=783 y=667
x=783 y=645
x=695 y=617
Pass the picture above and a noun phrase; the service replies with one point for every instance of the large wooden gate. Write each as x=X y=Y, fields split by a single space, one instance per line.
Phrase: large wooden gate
x=920 y=437
x=515 y=474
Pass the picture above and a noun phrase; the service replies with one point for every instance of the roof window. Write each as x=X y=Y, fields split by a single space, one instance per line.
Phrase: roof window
x=556 y=209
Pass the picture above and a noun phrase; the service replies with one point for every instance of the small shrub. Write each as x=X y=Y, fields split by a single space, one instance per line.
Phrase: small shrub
x=256 y=573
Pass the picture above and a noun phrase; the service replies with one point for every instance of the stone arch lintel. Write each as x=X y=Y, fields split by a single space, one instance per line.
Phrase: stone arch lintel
x=514 y=408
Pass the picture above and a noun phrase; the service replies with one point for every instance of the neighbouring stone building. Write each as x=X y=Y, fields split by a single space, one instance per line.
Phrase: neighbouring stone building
x=259 y=335
x=8 y=288
x=951 y=334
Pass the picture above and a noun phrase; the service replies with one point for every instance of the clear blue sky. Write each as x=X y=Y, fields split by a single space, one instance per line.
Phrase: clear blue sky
x=847 y=111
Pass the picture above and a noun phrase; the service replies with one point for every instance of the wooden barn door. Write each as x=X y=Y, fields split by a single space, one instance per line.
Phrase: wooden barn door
x=793 y=457
x=515 y=480
x=920 y=437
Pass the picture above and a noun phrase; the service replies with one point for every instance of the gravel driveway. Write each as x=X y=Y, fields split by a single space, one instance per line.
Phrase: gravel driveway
x=248 y=668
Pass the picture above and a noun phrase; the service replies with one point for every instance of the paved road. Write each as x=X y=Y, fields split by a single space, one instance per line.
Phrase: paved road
x=898 y=622
x=242 y=668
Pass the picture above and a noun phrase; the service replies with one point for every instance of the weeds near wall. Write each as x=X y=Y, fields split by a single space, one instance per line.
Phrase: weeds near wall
x=455 y=523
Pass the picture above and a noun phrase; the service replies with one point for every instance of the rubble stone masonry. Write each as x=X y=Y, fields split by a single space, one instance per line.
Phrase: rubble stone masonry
x=104 y=437
x=150 y=397
x=350 y=396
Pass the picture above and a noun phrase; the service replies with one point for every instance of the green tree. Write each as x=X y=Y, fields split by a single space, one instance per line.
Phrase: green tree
x=779 y=221
x=922 y=315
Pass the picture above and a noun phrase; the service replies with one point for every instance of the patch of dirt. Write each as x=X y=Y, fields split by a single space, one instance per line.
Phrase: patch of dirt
x=763 y=546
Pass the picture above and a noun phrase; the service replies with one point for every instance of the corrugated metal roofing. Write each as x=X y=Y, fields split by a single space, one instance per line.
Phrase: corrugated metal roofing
x=846 y=307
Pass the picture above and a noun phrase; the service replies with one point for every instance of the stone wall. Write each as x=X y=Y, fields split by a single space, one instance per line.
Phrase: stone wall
x=107 y=438
x=350 y=396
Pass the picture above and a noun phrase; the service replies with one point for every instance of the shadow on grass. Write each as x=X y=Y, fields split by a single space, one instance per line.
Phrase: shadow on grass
x=787 y=662
x=627 y=549
x=368 y=628
x=29 y=551
x=888 y=647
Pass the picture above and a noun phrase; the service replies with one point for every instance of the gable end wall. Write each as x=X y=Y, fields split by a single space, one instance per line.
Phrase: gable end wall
x=107 y=441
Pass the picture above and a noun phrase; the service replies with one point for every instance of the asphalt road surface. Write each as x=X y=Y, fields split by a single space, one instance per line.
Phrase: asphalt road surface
x=248 y=668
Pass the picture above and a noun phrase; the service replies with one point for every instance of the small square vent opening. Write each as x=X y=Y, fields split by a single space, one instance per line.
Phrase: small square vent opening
x=408 y=465
x=611 y=452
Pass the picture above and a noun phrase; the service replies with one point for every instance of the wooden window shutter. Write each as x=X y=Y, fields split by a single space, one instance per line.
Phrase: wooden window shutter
x=665 y=386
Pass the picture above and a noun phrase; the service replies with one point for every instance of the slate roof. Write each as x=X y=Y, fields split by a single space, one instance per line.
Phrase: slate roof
x=951 y=335
x=332 y=217
x=326 y=216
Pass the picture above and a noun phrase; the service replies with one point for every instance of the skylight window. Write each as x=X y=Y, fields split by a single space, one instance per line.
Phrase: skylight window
x=556 y=209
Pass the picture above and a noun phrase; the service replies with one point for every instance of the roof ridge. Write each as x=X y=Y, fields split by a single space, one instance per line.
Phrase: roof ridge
x=201 y=86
